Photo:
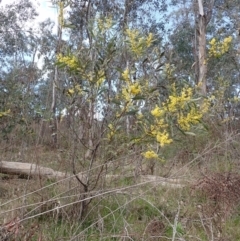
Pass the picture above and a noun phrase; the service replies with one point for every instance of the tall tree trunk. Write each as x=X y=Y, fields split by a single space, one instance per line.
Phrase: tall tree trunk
x=55 y=78
x=203 y=20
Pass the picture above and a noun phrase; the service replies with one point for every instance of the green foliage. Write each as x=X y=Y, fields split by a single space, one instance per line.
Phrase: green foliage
x=126 y=104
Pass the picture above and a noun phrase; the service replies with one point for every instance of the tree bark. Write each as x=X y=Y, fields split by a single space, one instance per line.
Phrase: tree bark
x=55 y=79
x=202 y=65
x=29 y=170
x=203 y=20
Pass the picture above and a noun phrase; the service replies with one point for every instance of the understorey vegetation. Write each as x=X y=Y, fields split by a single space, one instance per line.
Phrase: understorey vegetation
x=119 y=120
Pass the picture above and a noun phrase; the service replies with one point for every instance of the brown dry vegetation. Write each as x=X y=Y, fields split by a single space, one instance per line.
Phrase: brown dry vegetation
x=194 y=195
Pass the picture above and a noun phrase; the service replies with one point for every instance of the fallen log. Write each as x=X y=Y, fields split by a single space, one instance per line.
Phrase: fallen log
x=163 y=181
x=153 y=180
x=29 y=170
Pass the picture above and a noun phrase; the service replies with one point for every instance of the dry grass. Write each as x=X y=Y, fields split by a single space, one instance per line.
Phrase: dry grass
x=125 y=208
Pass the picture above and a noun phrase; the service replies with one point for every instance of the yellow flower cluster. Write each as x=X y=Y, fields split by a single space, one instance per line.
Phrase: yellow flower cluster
x=183 y=111
x=140 y=116
x=152 y=131
x=218 y=48
x=111 y=131
x=161 y=123
x=159 y=129
x=186 y=112
x=104 y=24
x=5 y=113
x=150 y=154
x=205 y=106
x=130 y=91
x=191 y=118
x=70 y=61
x=126 y=94
x=236 y=99
x=149 y=40
x=134 y=88
x=76 y=89
x=100 y=77
x=70 y=91
x=157 y=112
x=97 y=77
x=126 y=75
x=163 y=138
x=176 y=101
x=137 y=43
x=169 y=70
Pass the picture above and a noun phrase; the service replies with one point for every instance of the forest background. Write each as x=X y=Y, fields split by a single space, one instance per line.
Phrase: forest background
x=119 y=120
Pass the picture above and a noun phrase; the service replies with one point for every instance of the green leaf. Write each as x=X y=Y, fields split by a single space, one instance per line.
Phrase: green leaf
x=139 y=97
x=158 y=68
x=204 y=125
x=85 y=90
x=102 y=89
x=153 y=89
x=60 y=65
x=68 y=26
x=197 y=99
x=131 y=112
x=117 y=102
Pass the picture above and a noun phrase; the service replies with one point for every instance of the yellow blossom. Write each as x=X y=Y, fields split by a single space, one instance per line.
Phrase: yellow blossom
x=150 y=154
x=108 y=23
x=138 y=43
x=177 y=102
x=126 y=75
x=211 y=98
x=153 y=130
x=205 y=105
x=111 y=131
x=5 y=113
x=70 y=61
x=78 y=89
x=133 y=38
x=149 y=39
x=191 y=118
x=219 y=48
x=236 y=99
x=161 y=123
x=157 y=112
x=101 y=77
x=213 y=41
x=163 y=138
x=135 y=89
x=90 y=77
x=168 y=70
x=70 y=91
x=75 y=90
x=104 y=24
x=126 y=94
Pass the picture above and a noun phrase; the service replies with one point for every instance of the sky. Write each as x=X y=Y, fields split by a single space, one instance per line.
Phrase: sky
x=45 y=10
x=43 y=7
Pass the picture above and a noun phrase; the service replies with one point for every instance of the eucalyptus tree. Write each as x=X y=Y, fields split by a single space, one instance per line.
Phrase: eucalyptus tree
x=18 y=71
x=195 y=24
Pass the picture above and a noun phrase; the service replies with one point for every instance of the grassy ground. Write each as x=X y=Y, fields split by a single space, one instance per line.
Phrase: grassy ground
x=122 y=207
